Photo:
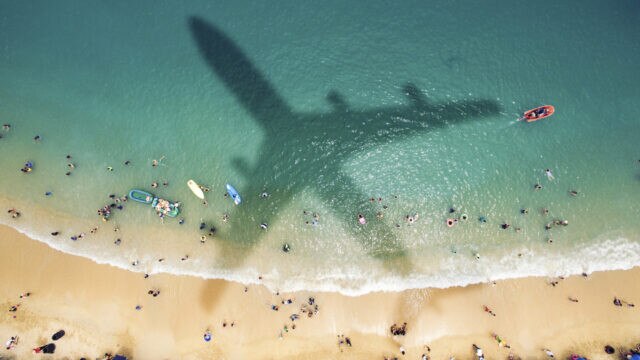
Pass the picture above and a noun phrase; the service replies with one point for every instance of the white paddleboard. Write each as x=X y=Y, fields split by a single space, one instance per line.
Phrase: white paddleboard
x=195 y=188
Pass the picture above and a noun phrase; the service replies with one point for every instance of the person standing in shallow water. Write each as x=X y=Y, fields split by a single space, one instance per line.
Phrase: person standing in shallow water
x=549 y=175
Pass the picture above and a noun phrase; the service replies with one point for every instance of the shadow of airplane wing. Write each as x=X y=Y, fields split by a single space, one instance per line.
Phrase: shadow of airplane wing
x=307 y=150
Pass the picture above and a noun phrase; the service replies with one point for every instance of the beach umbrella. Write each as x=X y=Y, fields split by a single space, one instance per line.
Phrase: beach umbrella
x=635 y=357
x=119 y=357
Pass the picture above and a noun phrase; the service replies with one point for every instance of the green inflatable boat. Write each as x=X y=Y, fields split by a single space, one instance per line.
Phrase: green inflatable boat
x=161 y=206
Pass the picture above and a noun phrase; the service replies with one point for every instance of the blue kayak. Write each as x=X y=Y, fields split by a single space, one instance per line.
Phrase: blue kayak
x=234 y=194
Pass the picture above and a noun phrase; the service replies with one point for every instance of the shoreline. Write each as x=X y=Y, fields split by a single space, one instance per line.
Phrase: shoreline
x=618 y=251
x=95 y=304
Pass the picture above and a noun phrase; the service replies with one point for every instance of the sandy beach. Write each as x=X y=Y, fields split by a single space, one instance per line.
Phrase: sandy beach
x=96 y=306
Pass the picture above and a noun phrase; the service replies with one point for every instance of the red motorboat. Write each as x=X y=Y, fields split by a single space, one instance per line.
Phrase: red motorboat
x=538 y=113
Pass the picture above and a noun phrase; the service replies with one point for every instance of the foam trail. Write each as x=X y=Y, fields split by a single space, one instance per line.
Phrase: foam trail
x=606 y=255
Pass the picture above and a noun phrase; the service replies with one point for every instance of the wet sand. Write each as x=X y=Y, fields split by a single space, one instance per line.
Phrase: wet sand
x=95 y=305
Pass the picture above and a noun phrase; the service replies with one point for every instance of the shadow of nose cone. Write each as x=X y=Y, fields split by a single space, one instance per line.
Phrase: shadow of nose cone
x=215 y=47
x=229 y=63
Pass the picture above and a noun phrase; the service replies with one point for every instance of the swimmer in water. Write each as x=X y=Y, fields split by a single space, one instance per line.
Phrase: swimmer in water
x=549 y=174
x=109 y=168
x=155 y=162
x=6 y=127
x=154 y=184
x=225 y=217
x=361 y=219
x=573 y=193
x=264 y=195
x=537 y=187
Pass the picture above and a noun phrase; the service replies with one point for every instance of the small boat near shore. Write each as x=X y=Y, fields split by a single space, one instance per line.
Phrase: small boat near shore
x=161 y=206
x=141 y=196
x=538 y=113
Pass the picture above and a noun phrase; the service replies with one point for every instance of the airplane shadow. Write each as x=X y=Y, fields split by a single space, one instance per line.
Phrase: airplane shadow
x=307 y=150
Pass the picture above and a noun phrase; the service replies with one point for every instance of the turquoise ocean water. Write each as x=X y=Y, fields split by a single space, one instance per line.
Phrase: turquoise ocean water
x=324 y=105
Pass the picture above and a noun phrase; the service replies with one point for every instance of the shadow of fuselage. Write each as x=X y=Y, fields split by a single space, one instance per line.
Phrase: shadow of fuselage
x=307 y=150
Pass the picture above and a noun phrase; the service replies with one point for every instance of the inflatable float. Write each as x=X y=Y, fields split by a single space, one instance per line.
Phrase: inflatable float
x=538 y=113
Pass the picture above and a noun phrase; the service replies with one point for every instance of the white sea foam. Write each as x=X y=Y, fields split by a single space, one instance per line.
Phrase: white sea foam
x=607 y=254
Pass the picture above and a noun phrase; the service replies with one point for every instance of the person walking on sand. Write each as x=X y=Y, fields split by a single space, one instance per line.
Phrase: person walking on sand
x=549 y=353
x=620 y=302
x=479 y=352
x=11 y=343
x=489 y=311
x=501 y=343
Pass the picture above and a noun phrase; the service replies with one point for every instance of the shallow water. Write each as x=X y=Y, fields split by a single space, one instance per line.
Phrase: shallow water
x=324 y=106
